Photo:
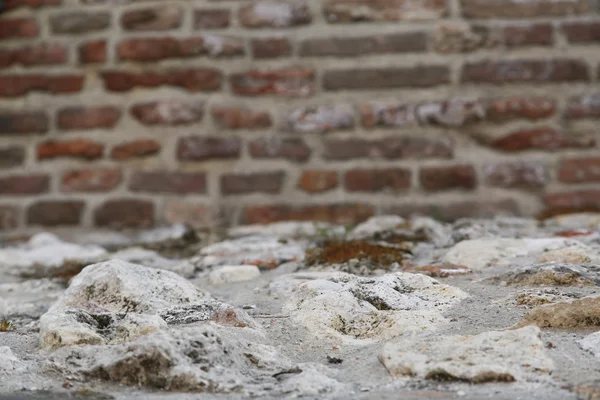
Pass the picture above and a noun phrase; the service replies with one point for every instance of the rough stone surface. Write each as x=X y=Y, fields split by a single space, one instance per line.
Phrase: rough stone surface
x=553 y=274
x=579 y=313
x=233 y=273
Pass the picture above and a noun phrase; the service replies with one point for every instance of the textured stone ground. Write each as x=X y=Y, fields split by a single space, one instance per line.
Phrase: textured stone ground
x=502 y=308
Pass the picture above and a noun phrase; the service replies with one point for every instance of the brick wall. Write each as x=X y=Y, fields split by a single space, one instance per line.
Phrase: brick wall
x=130 y=113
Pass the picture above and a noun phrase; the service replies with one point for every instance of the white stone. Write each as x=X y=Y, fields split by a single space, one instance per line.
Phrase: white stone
x=285 y=229
x=152 y=259
x=233 y=273
x=591 y=343
x=575 y=254
x=8 y=361
x=376 y=225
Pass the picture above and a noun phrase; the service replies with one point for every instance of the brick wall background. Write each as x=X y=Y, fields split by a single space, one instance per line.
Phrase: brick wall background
x=121 y=113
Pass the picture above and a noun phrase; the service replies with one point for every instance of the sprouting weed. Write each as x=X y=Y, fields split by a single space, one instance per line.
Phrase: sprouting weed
x=5 y=325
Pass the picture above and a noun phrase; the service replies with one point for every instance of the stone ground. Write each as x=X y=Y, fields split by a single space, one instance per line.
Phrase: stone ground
x=502 y=308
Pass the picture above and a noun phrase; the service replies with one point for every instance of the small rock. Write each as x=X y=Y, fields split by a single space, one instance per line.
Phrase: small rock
x=8 y=361
x=534 y=298
x=575 y=254
x=375 y=225
x=286 y=229
x=233 y=273
x=150 y=258
x=591 y=343
x=580 y=313
x=589 y=220
x=553 y=274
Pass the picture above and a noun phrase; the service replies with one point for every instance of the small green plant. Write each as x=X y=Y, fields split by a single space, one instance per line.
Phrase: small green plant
x=5 y=325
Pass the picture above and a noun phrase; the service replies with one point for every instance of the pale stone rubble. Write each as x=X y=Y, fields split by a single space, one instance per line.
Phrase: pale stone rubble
x=249 y=316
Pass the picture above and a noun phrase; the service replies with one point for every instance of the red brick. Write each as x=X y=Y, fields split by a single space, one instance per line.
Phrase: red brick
x=585 y=106
x=518 y=107
x=581 y=31
x=528 y=35
x=77 y=22
x=448 y=177
x=451 y=37
x=411 y=42
x=9 y=217
x=160 y=18
x=92 y=52
x=574 y=170
x=18 y=85
x=168 y=182
x=271 y=48
x=55 y=213
x=455 y=112
x=539 y=139
x=320 y=119
x=84 y=118
x=240 y=118
x=579 y=200
x=386 y=78
x=386 y=114
x=11 y=156
x=515 y=174
x=24 y=184
x=75 y=148
x=464 y=209
x=337 y=11
x=523 y=9
x=283 y=82
x=156 y=49
x=516 y=71
x=189 y=213
x=211 y=18
x=203 y=148
x=23 y=122
x=40 y=54
x=12 y=4
x=341 y=213
x=18 y=28
x=91 y=180
x=377 y=180
x=125 y=213
x=253 y=182
x=275 y=14
x=292 y=149
x=318 y=181
x=191 y=79
x=168 y=112
x=135 y=149
x=393 y=147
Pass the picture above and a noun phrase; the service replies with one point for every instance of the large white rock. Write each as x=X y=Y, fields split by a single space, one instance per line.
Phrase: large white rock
x=233 y=273
x=362 y=310
x=377 y=224
x=591 y=343
x=490 y=356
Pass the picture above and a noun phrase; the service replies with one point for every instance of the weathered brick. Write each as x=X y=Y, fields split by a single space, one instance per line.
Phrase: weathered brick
x=377 y=180
x=202 y=148
x=135 y=149
x=386 y=114
x=125 y=213
x=515 y=174
x=271 y=47
x=320 y=119
x=18 y=85
x=11 y=156
x=584 y=106
x=55 y=213
x=189 y=213
x=455 y=112
x=516 y=71
x=24 y=184
x=318 y=180
x=77 y=22
x=240 y=118
x=574 y=170
x=12 y=4
x=18 y=28
x=540 y=139
x=341 y=213
x=168 y=112
x=522 y=9
x=582 y=31
x=75 y=148
x=84 y=118
x=275 y=14
x=252 y=182
x=283 y=82
x=211 y=18
x=463 y=209
x=191 y=79
x=9 y=217
x=156 y=49
x=337 y=11
x=448 y=177
x=578 y=200
x=168 y=182
x=386 y=78
x=91 y=180
x=464 y=38
x=518 y=107
x=292 y=149
x=159 y=18
x=24 y=122
x=528 y=35
x=389 y=148
x=92 y=52
x=411 y=42
x=39 y=54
